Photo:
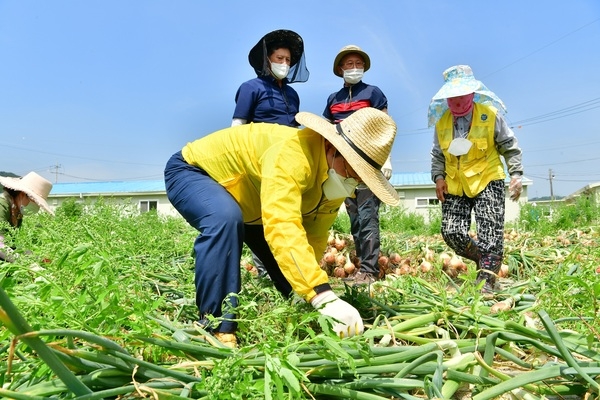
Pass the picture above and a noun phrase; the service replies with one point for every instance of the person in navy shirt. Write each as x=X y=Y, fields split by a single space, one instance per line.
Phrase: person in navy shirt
x=363 y=209
x=278 y=60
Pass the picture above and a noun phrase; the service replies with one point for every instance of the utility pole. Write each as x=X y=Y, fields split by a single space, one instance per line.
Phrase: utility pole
x=550 y=176
x=56 y=167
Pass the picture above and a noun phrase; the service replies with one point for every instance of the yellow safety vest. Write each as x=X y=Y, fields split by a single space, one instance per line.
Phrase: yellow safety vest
x=470 y=173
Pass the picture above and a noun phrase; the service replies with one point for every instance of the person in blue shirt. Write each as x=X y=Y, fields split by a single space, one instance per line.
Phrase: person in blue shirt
x=278 y=60
x=363 y=209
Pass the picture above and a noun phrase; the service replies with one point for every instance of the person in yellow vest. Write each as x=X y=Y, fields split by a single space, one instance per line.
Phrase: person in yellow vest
x=470 y=136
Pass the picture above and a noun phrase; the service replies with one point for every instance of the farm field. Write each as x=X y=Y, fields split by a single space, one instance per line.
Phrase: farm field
x=101 y=305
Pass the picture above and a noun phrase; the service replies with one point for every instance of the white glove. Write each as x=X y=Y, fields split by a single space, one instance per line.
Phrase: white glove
x=350 y=322
x=238 y=121
x=387 y=173
x=386 y=170
x=515 y=187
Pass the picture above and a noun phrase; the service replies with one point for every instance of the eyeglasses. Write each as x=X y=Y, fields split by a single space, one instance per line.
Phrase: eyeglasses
x=354 y=64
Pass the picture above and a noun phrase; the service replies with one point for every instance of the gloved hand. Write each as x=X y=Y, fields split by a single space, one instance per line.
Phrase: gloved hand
x=386 y=169
x=350 y=322
x=387 y=173
x=515 y=187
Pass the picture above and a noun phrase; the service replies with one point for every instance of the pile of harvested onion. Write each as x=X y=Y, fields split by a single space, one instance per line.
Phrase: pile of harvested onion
x=339 y=260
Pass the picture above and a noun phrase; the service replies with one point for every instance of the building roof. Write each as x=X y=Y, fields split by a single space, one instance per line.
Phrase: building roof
x=108 y=188
x=398 y=180
x=411 y=179
x=586 y=190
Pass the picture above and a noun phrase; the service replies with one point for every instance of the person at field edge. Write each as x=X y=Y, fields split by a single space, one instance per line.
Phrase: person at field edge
x=20 y=197
x=278 y=59
x=290 y=183
x=470 y=136
x=351 y=63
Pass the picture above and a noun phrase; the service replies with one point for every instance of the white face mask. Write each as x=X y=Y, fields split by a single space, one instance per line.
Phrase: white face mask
x=338 y=187
x=30 y=208
x=280 y=71
x=459 y=146
x=353 y=76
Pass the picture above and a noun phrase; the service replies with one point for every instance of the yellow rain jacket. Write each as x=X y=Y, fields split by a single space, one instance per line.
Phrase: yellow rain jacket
x=470 y=173
x=275 y=173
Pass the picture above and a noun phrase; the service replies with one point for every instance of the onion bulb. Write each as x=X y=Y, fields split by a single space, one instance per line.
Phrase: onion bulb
x=425 y=266
x=349 y=268
x=331 y=239
x=445 y=259
x=383 y=261
x=329 y=257
x=340 y=244
x=429 y=255
x=339 y=272
x=403 y=269
x=457 y=264
x=395 y=258
x=503 y=273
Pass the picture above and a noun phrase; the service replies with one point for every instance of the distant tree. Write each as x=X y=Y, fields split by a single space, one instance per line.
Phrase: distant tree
x=9 y=174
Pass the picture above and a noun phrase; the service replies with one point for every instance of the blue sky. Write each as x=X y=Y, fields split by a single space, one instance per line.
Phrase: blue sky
x=108 y=90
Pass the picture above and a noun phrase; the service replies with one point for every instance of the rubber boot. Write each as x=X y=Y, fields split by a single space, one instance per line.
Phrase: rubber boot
x=489 y=266
x=472 y=252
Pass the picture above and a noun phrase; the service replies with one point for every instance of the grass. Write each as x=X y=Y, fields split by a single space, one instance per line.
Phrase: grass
x=113 y=273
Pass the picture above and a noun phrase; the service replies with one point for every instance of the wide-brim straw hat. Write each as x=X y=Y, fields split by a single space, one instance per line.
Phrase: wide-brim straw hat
x=33 y=185
x=459 y=81
x=289 y=39
x=365 y=140
x=347 y=50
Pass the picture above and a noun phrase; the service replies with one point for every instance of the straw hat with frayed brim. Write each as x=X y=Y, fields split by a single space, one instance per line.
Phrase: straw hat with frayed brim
x=33 y=185
x=288 y=39
x=365 y=140
x=460 y=81
x=347 y=50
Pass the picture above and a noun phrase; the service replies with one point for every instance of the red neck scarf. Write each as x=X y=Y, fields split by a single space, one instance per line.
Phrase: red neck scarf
x=461 y=105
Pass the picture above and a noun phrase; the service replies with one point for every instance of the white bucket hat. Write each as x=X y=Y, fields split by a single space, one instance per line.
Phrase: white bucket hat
x=33 y=185
x=365 y=140
x=459 y=81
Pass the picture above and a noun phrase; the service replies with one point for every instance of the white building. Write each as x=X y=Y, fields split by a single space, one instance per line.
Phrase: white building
x=416 y=191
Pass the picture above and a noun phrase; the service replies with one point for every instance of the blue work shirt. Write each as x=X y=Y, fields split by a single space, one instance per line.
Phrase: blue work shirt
x=351 y=98
x=262 y=100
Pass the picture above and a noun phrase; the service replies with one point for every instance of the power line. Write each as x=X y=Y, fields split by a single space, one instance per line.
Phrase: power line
x=565 y=112
x=543 y=47
x=78 y=157
x=561 y=147
x=155 y=176
x=564 y=162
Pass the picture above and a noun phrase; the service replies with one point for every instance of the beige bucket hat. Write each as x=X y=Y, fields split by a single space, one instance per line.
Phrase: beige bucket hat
x=459 y=81
x=33 y=185
x=347 y=50
x=365 y=140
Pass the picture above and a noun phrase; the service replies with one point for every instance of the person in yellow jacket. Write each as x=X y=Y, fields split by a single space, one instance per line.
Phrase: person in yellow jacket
x=278 y=189
x=470 y=136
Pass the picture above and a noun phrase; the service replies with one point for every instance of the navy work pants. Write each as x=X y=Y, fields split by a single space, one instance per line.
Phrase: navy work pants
x=209 y=208
x=363 y=211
